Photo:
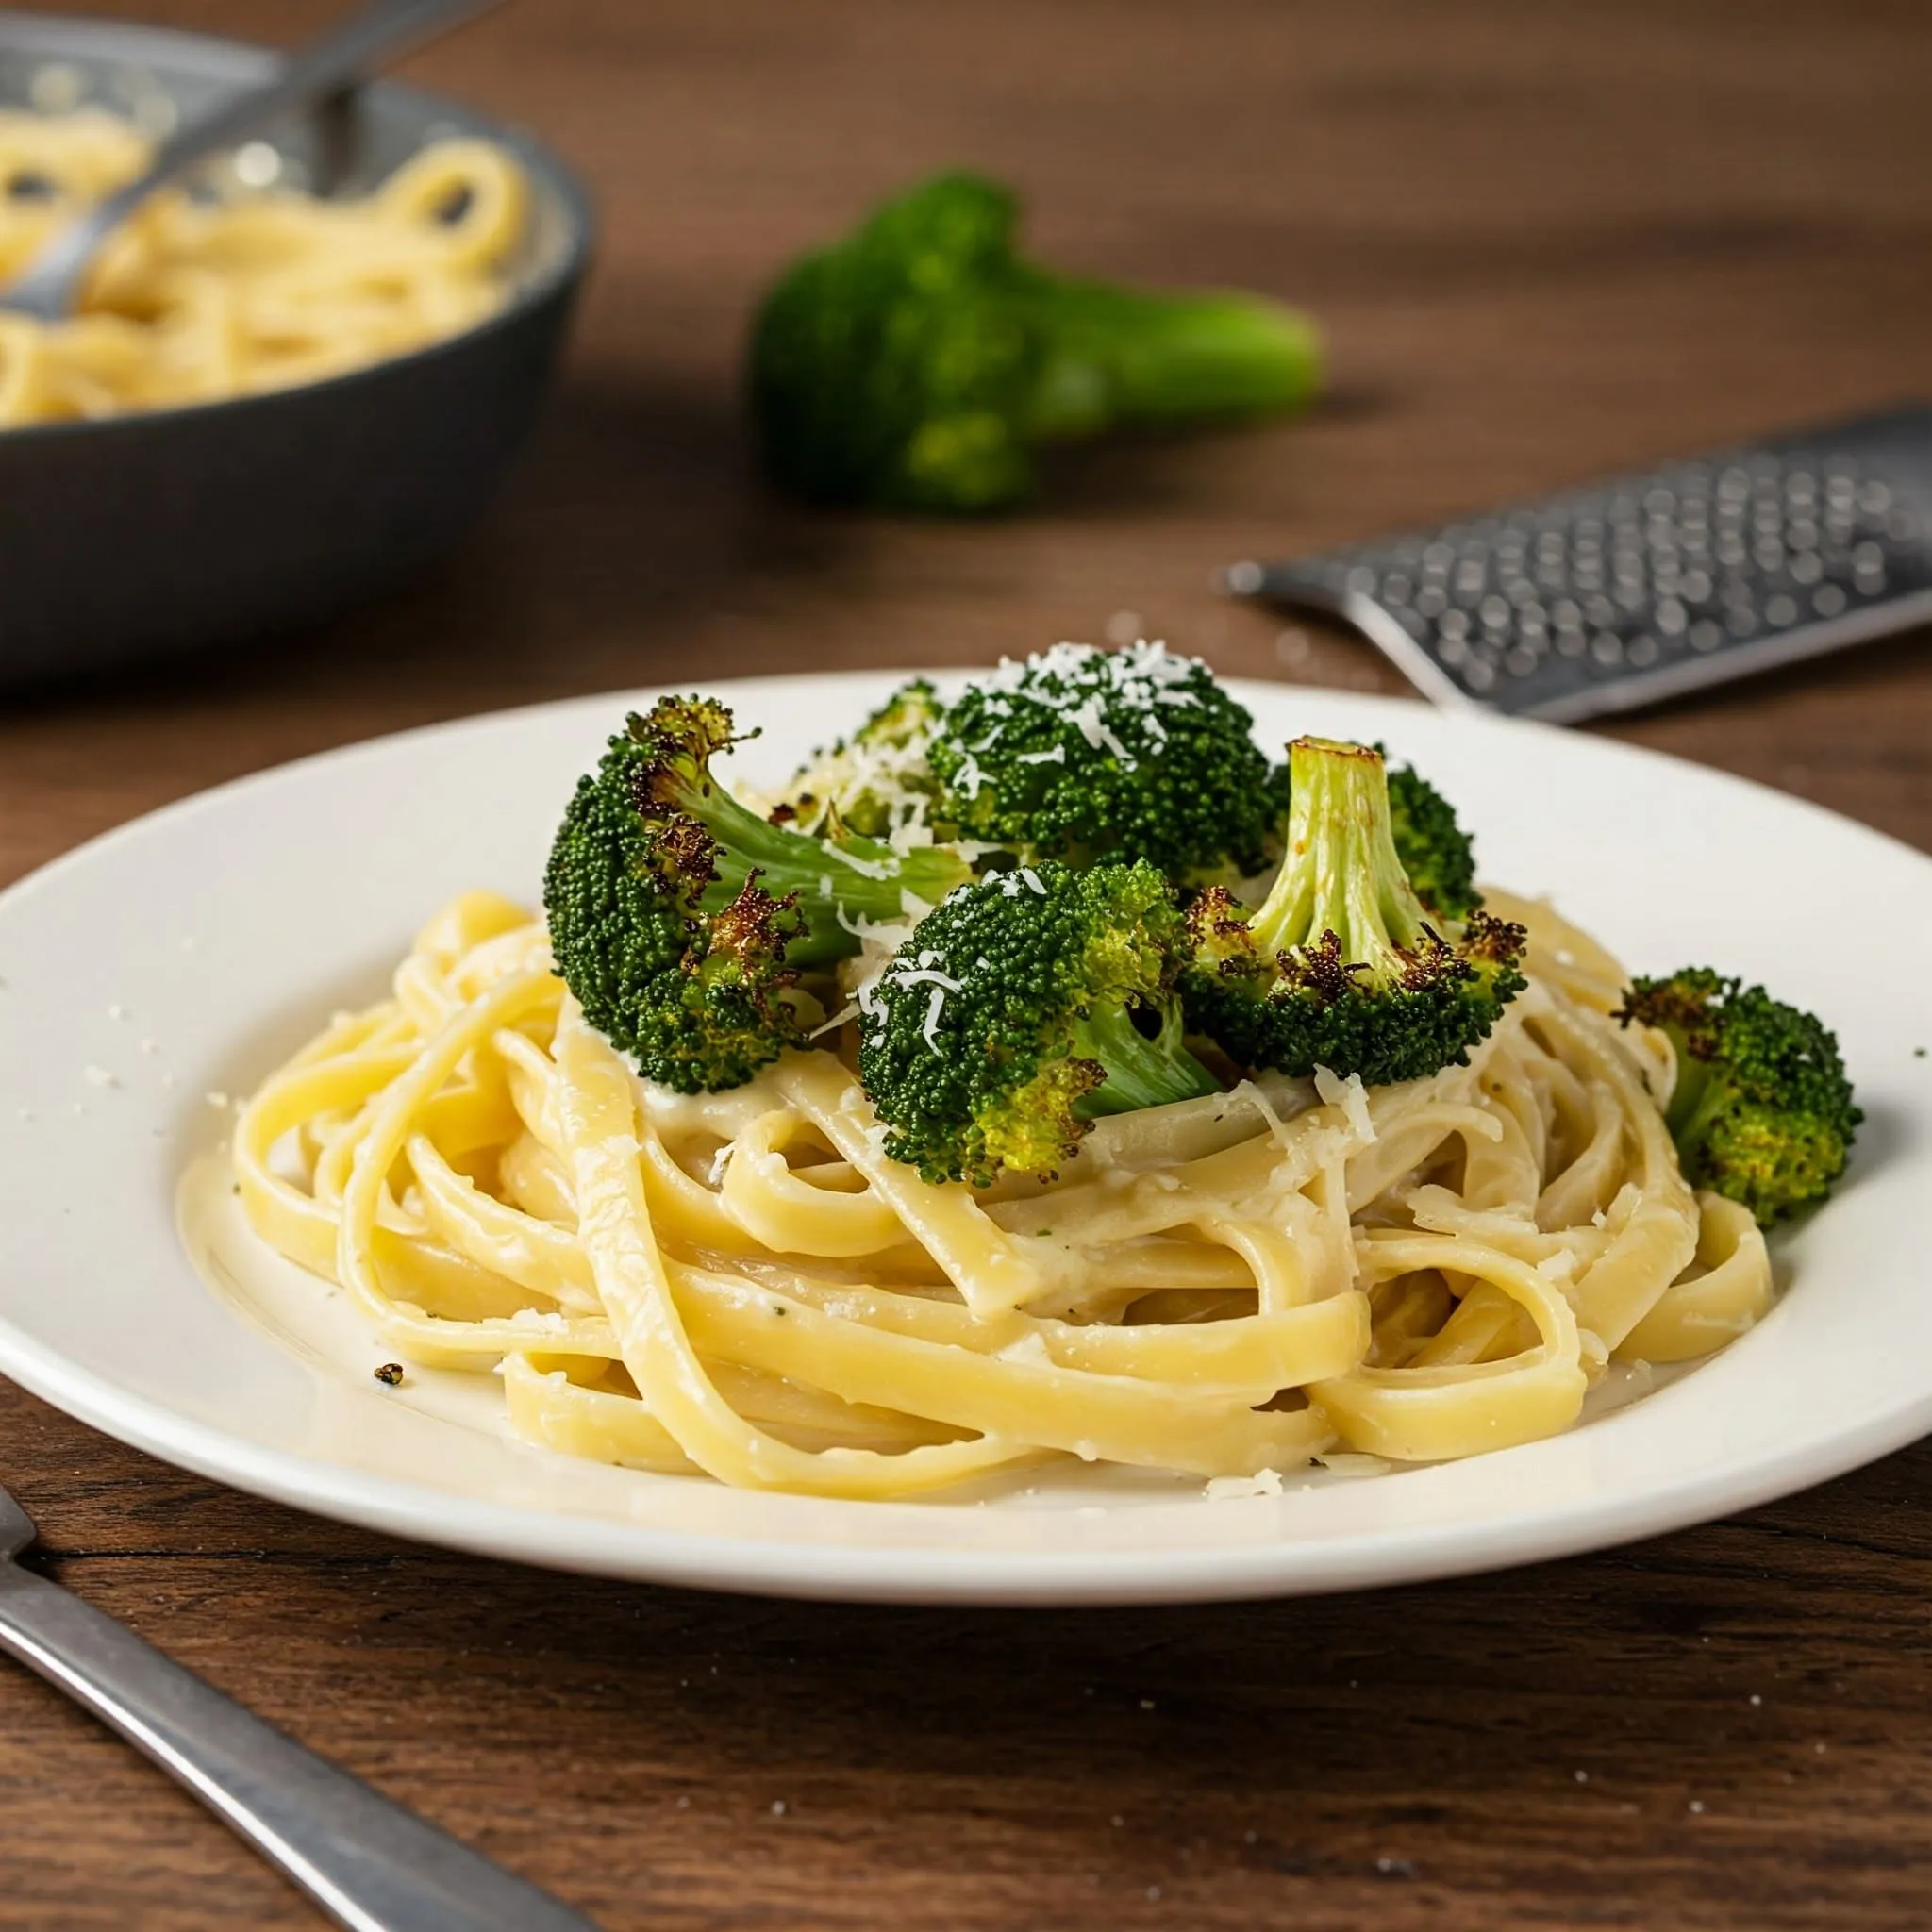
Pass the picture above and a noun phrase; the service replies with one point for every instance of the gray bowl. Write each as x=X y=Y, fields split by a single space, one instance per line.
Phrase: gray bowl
x=139 y=534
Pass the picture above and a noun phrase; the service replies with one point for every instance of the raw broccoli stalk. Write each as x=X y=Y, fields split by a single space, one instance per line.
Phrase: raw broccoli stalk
x=1341 y=968
x=1081 y=755
x=701 y=1000
x=1762 y=1111
x=1018 y=1010
x=917 y=364
x=876 y=782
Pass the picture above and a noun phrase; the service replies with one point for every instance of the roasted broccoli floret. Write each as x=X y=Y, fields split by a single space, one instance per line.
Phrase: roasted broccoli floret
x=701 y=1000
x=1020 y=1009
x=1082 y=755
x=876 y=782
x=843 y=880
x=1341 y=966
x=917 y=364
x=672 y=905
x=1762 y=1111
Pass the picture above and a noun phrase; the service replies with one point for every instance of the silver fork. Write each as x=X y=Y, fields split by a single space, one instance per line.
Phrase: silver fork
x=372 y=1865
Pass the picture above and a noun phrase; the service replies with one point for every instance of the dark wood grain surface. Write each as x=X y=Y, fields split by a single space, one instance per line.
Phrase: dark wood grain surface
x=1546 y=240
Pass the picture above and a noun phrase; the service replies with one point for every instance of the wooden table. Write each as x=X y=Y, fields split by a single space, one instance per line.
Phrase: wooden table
x=1545 y=241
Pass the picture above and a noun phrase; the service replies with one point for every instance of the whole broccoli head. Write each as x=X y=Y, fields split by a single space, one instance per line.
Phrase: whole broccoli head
x=679 y=918
x=1081 y=755
x=1341 y=968
x=917 y=364
x=1762 y=1111
x=1018 y=1010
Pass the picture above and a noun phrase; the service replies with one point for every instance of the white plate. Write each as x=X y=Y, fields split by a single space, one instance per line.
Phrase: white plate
x=182 y=955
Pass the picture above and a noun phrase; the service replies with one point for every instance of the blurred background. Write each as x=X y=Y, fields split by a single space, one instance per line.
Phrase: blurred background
x=1542 y=243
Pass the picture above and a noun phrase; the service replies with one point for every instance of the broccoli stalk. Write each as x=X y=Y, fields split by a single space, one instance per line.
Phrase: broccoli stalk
x=1138 y=1069
x=1341 y=967
x=1435 y=851
x=916 y=364
x=843 y=881
x=1762 y=1111
x=1018 y=1010
x=1147 y=360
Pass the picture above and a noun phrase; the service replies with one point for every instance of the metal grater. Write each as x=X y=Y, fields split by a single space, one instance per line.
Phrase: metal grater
x=1630 y=590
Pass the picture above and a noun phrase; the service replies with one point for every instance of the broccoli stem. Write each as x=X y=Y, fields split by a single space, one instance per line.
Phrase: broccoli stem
x=1341 y=873
x=868 y=880
x=1696 y=1100
x=1124 y=357
x=1139 y=1072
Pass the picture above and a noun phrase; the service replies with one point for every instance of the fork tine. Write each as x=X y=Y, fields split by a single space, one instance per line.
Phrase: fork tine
x=16 y=1527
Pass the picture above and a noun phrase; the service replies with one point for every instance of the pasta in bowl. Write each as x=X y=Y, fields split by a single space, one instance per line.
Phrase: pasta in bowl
x=290 y=389
x=530 y=1160
x=198 y=299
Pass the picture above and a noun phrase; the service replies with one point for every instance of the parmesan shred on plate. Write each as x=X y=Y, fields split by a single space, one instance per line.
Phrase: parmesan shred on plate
x=1228 y=1489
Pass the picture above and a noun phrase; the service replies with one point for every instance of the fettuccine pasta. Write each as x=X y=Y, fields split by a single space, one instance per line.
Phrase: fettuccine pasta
x=193 y=299
x=743 y=1284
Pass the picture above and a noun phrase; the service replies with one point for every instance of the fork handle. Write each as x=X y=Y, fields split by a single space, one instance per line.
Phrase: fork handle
x=372 y=1865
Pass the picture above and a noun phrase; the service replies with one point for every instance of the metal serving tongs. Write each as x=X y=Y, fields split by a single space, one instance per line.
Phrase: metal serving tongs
x=369 y=1863
x=49 y=287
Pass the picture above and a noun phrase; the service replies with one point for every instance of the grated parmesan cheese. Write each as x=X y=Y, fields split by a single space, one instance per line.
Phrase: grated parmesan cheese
x=860 y=927
x=1029 y=1348
x=1348 y=1095
x=1224 y=1488
x=1250 y=1092
x=928 y=969
x=970 y=778
x=1109 y=697
x=865 y=868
